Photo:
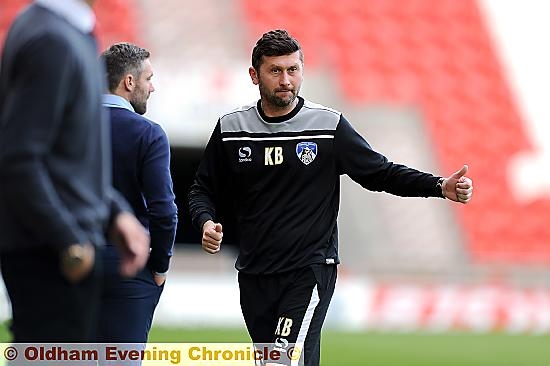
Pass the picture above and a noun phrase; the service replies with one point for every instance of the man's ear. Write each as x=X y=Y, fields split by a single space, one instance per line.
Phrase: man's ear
x=129 y=82
x=253 y=76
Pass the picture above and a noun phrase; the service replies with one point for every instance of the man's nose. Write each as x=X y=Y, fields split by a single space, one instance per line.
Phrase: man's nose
x=284 y=80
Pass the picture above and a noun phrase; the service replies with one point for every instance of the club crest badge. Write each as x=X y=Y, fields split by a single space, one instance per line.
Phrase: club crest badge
x=306 y=151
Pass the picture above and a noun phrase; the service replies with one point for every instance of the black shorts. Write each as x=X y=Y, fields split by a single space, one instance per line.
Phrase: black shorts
x=289 y=307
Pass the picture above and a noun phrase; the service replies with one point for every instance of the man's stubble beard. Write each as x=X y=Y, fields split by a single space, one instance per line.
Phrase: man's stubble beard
x=140 y=106
x=274 y=100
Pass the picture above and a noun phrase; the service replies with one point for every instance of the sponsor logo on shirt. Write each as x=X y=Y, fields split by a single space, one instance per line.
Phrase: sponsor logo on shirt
x=245 y=154
x=306 y=151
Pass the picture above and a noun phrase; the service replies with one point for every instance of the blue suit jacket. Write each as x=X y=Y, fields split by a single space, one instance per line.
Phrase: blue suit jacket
x=141 y=172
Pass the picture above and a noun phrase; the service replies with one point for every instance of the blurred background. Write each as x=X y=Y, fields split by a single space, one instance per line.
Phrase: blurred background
x=433 y=84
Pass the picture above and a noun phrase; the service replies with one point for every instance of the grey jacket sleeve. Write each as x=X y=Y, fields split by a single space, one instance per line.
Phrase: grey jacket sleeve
x=31 y=122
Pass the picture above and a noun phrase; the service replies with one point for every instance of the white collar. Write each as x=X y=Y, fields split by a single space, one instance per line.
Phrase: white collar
x=76 y=12
x=116 y=101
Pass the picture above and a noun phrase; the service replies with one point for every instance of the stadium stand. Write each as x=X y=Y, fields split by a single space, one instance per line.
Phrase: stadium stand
x=440 y=57
x=422 y=74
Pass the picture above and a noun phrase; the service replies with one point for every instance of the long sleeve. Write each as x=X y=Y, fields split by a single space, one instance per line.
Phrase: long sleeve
x=205 y=194
x=117 y=205
x=157 y=189
x=373 y=171
x=44 y=75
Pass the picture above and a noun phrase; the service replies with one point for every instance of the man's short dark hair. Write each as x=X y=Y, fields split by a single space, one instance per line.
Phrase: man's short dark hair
x=275 y=43
x=121 y=59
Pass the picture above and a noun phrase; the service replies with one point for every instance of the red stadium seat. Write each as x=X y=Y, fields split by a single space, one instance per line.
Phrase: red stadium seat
x=116 y=20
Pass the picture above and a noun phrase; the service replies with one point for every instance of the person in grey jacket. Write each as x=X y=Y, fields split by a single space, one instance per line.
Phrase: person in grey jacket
x=56 y=199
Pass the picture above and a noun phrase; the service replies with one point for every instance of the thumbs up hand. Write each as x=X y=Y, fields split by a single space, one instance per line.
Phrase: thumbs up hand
x=458 y=187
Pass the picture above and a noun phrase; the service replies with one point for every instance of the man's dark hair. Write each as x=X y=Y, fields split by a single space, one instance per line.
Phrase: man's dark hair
x=275 y=43
x=121 y=59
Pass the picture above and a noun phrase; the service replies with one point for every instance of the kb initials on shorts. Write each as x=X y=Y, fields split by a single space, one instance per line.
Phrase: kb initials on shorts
x=286 y=324
x=278 y=155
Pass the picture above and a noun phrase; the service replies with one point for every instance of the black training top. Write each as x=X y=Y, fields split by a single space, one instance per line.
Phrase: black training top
x=280 y=178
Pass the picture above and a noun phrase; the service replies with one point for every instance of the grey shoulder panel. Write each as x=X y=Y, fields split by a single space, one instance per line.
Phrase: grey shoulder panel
x=311 y=117
x=243 y=119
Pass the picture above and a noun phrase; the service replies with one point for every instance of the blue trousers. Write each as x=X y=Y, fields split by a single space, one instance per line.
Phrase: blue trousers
x=127 y=305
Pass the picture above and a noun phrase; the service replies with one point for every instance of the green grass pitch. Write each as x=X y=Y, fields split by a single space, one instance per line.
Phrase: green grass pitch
x=384 y=349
